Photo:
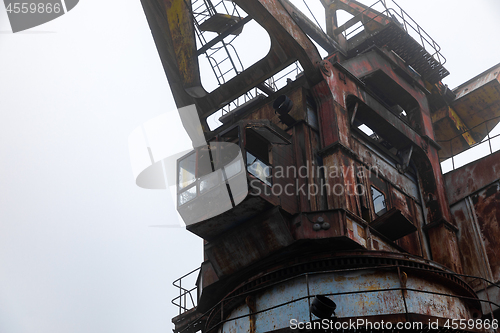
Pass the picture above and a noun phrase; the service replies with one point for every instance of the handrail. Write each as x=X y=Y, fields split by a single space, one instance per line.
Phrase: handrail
x=181 y=301
x=487 y=139
x=391 y=13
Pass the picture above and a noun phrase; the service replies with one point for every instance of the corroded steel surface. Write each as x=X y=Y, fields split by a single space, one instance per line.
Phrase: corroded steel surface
x=248 y=243
x=474 y=192
x=451 y=132
x=472 y=177
x=474 y=112
x=371 y=62
x=477 y=216
x=357 y=294
x=383 y=121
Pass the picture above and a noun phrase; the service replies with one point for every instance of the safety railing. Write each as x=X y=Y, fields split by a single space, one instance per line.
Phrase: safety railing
x=273 y=84
x=410 y=26
x=221 y=55
x=486 y=141
x=186 y=300
x=280 y=79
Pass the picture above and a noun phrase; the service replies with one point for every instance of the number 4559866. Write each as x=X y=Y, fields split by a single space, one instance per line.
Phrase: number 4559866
x=31 y=7
x=471 y=324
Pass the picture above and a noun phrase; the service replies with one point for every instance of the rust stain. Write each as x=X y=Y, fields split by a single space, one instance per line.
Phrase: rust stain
x=250 y=301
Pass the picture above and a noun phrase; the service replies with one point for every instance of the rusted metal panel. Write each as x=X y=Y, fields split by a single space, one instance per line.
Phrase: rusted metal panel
x=477 y=216
x=489 y=294
x=372 y=302
x=444 y=247
x=373 y=61
x=312 y=195
x=284 y=182
x=155 y=14
x=181 y=26
x=248 y=208
x=335 y=182
x=298 y=111
x=487 y=208
x=451 y=132
x=432 y=184
x=419 y=217
x=303 y=225
x=346 y=87
x=477 y=99
x=470 y=178
x=356 y=231
x=300 y=160
x=248 y=243
x=474 y=112
x=413 y=242
x=379 y=244
x=439 y=306
x=400 y=201
x=385 y=168
x=317 y=164
x=470 y=244
x=478 y=81
x=426 y=157
x=459 y=127
x=207 y=277
x=327 y=113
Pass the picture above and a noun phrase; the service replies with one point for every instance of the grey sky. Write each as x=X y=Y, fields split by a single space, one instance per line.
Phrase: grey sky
x=76 y=252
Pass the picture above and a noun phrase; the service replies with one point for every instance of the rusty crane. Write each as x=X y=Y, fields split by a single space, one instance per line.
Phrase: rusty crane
x=345 y=212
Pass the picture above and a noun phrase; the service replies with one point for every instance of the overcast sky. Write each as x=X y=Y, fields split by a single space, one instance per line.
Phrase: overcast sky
x=76 y=250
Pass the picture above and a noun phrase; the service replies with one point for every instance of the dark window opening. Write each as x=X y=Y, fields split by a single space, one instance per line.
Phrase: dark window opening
x=258 y=157
x=377 y=138
x=399 y=101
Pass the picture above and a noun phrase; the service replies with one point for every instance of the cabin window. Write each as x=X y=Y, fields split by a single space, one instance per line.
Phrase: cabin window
x=196 y=174
x=378 y=199
x=208 y=167
x=226 y=161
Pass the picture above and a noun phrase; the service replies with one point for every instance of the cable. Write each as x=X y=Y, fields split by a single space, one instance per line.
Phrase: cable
x=310 y=11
